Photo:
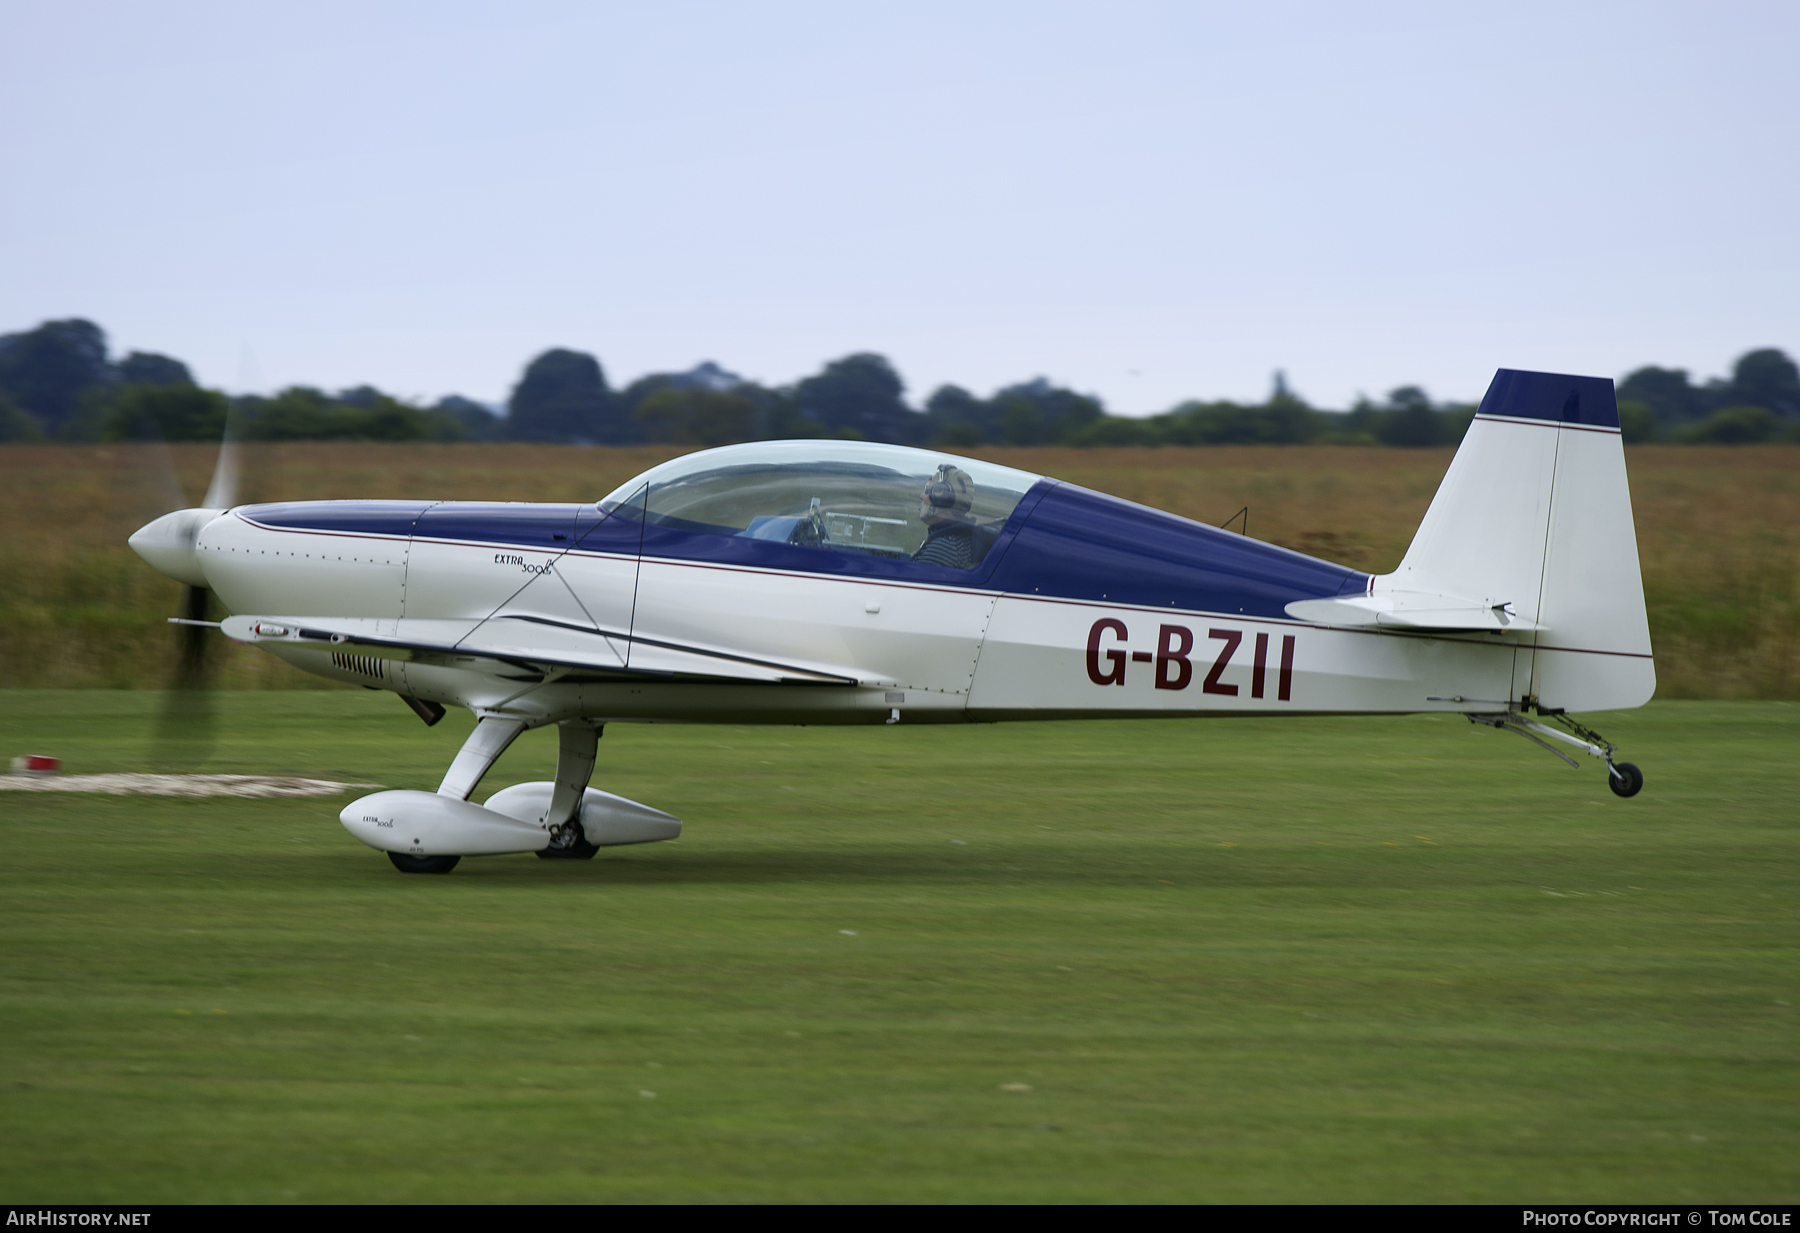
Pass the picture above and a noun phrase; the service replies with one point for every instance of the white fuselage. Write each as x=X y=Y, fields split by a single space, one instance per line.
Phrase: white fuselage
x=933 y=653
x=817 y=582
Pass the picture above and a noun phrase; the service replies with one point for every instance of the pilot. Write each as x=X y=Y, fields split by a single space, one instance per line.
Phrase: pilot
x=945 y=509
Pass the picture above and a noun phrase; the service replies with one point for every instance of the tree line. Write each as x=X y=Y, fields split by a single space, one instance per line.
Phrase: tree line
x=58 y=382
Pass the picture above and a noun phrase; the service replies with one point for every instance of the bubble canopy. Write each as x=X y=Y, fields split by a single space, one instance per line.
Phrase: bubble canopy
x=844 y=496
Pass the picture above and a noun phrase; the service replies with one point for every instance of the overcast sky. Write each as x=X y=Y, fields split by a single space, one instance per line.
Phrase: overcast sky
x=1145 y=201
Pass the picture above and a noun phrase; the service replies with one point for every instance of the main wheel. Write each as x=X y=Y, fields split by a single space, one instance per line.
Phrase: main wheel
x=1625 y=779
x=580 y=850
x=423 y=864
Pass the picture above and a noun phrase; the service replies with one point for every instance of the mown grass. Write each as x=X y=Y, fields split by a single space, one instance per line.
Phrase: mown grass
x=1718 y=533
x=1315 y=960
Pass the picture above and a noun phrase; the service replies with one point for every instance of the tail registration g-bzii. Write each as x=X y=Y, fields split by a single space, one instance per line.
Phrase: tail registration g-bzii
x=841 y=582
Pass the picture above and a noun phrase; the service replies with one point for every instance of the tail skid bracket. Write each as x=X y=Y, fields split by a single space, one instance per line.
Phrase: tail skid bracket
x=1622 y=777
x=1514 y=721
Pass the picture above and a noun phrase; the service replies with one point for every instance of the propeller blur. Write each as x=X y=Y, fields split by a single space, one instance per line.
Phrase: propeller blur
x=185 y=728
x=809 y=582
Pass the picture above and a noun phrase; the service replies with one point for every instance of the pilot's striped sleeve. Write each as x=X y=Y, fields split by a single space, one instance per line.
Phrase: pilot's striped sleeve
x=952 y=546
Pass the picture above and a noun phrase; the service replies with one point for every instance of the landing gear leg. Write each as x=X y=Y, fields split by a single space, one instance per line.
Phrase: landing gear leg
x=577 y=741
x=483 y=748
x=1622 y=777
x=489 y=740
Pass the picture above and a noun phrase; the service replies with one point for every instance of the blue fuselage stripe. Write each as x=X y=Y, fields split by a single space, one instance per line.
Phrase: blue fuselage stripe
x=1061 y=542
x=1088 y=546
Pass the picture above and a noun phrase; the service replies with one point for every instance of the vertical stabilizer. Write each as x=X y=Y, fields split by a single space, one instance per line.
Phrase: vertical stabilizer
x=1535 y=514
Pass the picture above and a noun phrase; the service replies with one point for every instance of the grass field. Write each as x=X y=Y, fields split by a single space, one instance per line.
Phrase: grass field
x=1192 y=960
x=1718 y=533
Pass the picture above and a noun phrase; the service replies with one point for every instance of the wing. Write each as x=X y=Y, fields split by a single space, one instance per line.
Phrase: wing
x=530 y=645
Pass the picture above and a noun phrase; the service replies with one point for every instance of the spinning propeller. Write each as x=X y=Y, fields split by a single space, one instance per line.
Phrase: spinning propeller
x=184 y=733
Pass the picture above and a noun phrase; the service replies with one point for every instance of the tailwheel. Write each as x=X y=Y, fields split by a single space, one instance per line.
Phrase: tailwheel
x=1624 y=779
x=430 y=864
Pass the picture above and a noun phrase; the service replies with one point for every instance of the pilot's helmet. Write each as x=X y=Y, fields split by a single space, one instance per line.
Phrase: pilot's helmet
x=951 y=493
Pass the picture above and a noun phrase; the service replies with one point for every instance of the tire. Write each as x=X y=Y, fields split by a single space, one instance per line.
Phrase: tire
x=1625 y=779
x=580 y=850
x=423 y=864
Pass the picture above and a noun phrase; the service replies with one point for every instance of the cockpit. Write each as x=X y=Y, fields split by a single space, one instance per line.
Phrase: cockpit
x=856 y=497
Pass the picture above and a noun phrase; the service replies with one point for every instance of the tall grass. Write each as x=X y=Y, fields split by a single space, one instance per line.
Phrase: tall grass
x=1718 y=534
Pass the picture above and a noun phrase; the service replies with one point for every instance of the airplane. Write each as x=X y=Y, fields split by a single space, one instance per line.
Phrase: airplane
x=846 y=582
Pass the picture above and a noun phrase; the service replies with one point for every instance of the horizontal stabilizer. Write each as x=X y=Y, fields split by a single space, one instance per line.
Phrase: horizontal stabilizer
x=1411 y=610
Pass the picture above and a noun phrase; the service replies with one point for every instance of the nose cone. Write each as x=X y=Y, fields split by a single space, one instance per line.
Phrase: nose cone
x=168 y=544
